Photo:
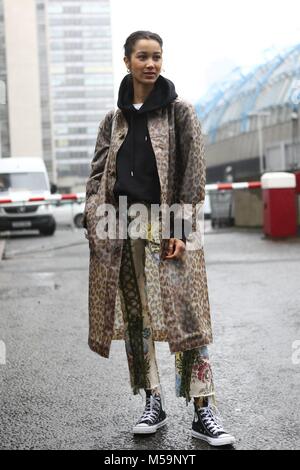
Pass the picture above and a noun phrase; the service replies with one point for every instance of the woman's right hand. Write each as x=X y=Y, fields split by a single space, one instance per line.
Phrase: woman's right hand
x=176 y=249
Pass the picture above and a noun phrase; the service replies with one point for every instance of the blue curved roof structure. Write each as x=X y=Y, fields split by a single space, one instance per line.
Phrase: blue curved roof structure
x=273 y=84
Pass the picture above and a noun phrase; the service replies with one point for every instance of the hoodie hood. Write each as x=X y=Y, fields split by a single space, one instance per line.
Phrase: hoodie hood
x=137 y=175
x=161 y=95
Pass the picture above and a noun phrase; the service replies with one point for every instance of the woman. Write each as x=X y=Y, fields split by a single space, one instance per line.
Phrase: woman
x=151 y=288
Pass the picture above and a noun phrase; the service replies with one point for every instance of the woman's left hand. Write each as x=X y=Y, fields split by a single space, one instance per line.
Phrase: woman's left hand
x=176 y=249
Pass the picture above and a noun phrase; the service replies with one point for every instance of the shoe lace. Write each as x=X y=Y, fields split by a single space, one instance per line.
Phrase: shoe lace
x=211 y=418
x=152 y=409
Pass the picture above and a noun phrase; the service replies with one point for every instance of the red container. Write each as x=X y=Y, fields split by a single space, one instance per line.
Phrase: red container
x=280 y=204
x=297 y=174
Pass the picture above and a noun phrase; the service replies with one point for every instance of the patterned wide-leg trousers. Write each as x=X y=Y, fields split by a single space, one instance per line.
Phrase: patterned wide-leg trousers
x=192 y=368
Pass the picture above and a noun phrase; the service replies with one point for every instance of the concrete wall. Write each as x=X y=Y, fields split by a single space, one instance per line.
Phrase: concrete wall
x=245 y=145
x=248 y=208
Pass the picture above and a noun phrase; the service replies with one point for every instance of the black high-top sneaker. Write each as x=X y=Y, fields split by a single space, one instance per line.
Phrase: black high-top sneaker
x=154 y=416
x=206 y=426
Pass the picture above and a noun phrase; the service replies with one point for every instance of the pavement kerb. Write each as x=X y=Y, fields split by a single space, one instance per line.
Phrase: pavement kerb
x=2 y=248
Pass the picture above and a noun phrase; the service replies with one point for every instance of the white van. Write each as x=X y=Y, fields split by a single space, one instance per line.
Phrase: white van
x=21 y=179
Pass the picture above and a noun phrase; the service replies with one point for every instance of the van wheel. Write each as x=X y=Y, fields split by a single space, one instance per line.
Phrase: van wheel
x=49 y=230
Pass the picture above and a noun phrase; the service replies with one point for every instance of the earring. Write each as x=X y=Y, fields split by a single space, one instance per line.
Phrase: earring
x=128 y=70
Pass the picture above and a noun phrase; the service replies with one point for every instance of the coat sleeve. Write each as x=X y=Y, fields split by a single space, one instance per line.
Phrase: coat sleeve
x=99 y=159
x=191 y=168
x=100 y=153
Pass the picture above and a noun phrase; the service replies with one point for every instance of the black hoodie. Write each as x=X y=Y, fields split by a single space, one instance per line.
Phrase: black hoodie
x=137 y=175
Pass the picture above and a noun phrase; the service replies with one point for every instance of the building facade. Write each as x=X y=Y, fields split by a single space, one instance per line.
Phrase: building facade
x=4 y=134
x=45 y=90
x=56 y=63
x=81 y=82
x=251 y=120
x=22 y=78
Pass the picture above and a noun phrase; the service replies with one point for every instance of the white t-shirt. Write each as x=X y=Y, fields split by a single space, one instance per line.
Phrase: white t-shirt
x=138 y=105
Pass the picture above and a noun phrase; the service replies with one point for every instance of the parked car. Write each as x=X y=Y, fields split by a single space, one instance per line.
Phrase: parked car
x=207 y=206
x=69 y=213
x=21 y=179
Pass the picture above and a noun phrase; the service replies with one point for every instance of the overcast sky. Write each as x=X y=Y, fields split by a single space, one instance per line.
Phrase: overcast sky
x=205 y=40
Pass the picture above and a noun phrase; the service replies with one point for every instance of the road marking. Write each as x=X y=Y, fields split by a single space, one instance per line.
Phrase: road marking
x=2 y=353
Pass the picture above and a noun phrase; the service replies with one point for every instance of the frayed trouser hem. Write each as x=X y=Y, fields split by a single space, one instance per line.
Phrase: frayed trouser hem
x=212 y=396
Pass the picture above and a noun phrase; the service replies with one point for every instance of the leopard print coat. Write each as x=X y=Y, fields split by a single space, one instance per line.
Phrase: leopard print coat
x=178 y=294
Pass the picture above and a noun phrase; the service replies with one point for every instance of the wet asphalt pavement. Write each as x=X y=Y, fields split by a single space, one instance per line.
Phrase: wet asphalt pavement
x=56 y=394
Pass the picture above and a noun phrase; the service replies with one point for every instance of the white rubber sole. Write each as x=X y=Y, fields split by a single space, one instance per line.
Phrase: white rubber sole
x=220 y=441
x=144 y=429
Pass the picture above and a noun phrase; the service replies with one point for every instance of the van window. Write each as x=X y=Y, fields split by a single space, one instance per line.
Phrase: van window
x=23 y=182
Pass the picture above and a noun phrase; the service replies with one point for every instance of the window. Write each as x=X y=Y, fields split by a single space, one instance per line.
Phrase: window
x=55 y=8
x=92 y=8
x=72 y=10
x=23 y=182
x=58 y=69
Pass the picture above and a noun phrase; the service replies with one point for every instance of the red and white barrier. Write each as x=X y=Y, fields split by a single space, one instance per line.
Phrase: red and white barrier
x=230 y=186
x=37 y=200
x=80 y=197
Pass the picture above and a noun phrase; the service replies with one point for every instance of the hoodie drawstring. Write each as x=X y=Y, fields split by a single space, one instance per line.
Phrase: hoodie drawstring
x=132 y=146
